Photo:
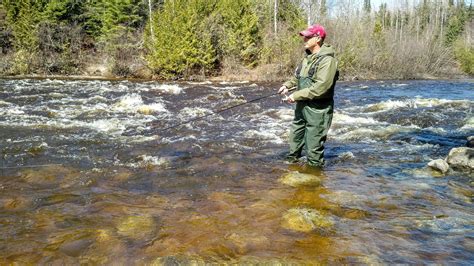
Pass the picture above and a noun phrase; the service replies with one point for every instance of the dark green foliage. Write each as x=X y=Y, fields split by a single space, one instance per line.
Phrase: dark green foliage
x=465 y=56
x=6 y=37
x=23 y=17
x=241 y=30
x=65 y=11
x=179 y=42
x=456 y=23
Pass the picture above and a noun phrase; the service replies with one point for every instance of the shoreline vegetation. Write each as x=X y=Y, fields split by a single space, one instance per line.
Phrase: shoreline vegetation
x=231 y=40
x=234 y=78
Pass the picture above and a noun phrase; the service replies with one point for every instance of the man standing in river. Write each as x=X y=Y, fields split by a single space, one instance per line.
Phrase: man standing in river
x=314 y=79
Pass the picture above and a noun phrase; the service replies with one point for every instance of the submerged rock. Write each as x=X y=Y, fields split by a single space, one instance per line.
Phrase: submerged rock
x=136 y=227
x=440 y=165
x=179 y=260
x=15 y=203
x=296 y=179
x=464 y=190
x=244 y=242
x=52 y=175
x=72 y=243
x=461 y=159
x=75 y=248
x=306 y=220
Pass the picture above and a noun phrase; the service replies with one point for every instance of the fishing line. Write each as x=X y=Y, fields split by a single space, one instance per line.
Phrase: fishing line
x=220 y=111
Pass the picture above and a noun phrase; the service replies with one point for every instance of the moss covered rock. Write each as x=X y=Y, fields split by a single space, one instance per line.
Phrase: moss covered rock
x=297 y=179
x=136 y=227
x=306 y=220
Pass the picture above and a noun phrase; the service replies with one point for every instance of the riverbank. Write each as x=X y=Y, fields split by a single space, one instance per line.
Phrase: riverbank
x=248 y=76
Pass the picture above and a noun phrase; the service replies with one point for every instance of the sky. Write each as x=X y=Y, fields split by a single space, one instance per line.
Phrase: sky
x=393 y=3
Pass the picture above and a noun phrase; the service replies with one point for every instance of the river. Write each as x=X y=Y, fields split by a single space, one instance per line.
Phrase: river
x=88 y=175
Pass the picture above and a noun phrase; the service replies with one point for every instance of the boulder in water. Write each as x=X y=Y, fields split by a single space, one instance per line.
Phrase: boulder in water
x=470 y=142
x=296 y=179
x=461 y=159
x=346 y=156
x=144 y=110
x=439 y=165
x=306 y=220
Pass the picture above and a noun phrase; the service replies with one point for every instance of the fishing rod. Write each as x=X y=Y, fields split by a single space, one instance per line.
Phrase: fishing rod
x=223 y=110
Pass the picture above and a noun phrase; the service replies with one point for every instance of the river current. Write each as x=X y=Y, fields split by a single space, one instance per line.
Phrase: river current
x=88 y=175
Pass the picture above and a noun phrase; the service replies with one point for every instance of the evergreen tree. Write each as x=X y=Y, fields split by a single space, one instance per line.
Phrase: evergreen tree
x=23 y=17
x=5 y=33
x=120 y=17
x=180 y=43
x=64 y=11
x=241 y=32
x=367 y=6
x=456 y=23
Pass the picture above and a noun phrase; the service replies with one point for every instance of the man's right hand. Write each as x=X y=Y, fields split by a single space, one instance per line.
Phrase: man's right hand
x=283 y=90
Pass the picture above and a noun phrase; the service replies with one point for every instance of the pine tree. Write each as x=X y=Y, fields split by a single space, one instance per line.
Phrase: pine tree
x=180 y=43
x=64 y=11
x=23 y=17
x=240 y=29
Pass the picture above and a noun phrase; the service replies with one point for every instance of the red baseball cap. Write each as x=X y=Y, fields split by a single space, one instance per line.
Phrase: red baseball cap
x=314 y=30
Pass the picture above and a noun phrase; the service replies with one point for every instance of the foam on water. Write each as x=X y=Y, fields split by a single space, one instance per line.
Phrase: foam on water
x=233 y=82
x=129 y=102
x=97 y=98
x=207 y=82
x=224 y=88
x=190 y=112
x=4 y=103
x=171 y=89
x=411 y=103
x=112 y=126
x=154 y=108
x=147 y=161
x=281 y=114
x=371 y=134
x=133 y=103
x=180 y=139
x=468 y=125
x=264 y=134
x=345 y=119
x=12 y=110
x=54 y=81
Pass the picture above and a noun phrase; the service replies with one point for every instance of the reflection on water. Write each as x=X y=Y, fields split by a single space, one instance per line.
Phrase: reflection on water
x=104 y=184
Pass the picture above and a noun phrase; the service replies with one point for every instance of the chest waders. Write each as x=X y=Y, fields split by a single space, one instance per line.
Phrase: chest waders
x=311 y=122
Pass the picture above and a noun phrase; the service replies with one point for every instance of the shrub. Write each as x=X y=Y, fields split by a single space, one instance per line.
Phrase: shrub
x=465 y=55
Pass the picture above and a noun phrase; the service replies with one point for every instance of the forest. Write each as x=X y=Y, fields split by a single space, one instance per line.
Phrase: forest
x=233 y=39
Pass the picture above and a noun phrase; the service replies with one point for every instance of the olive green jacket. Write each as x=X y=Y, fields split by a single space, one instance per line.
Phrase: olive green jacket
x=321 y=84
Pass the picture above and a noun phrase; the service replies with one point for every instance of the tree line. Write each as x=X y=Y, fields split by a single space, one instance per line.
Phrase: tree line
x=172 y=39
